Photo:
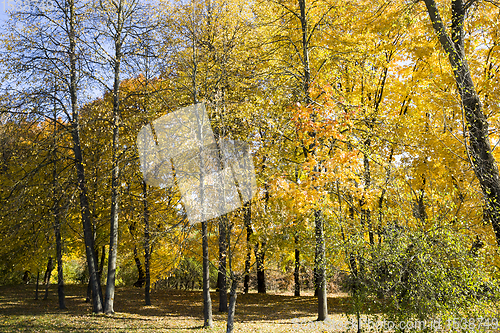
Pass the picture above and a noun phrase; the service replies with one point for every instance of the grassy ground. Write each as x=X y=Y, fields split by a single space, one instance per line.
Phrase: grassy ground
x=172 y=311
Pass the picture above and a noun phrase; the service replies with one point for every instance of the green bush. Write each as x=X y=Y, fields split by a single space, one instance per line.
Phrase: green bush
x=422 y=275
x=188 y=275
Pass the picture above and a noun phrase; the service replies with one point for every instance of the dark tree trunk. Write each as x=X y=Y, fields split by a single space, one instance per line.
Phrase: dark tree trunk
x=305 y=51
x=381 y=198
x=320 y=265
x=419 y=207
x=232 y=304
x=229 y=257
x=89 y=292
x=355 y=286
x=366 y=220
x=221 y=278
x=87 y=226
x=207 y=302
x=479 y=147
x=77 y=150
x=296 y=273
x=101 y=262
x=261 y=276
x=37 y=284
x=88 y=236
x=60 y=273
x=353 y=267
x=316 y=277
x=147 y=246
x=147 y=284
x=57 y=221
x=249 y=229
x=99 y=272
x=46 y=278
x=142 y=277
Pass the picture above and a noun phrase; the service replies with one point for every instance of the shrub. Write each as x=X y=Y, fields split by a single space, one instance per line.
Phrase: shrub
x=423 y=275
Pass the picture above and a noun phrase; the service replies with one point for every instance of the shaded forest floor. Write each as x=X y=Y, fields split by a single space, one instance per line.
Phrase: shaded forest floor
x=172 y=311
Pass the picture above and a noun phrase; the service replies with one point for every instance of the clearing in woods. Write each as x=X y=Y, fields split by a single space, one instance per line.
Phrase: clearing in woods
x=172 y=311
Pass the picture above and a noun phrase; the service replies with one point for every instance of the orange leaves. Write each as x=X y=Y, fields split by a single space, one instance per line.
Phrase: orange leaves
x=318 y=124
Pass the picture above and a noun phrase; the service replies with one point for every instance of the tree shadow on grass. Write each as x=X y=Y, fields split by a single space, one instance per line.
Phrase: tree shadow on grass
x=170 y=309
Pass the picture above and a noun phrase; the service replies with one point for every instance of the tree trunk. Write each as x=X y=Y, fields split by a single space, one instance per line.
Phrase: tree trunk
x=147 y=247
x=305 y=52
x=89 y=292
x=249 y=229
x=232 y=304
x=296 y=273
x=113 y=230
x=229 y=256
x=355 y=287
x=147 y=285
x=419 y=206
x=221 y=279
x=46 y=278
x=77 y=150
x=101 y=262
x=60 y=273
x=57 y=221
x=320 y=283
x=87 y=231
x=98 y=264
x=366 y=219
x=320 y=265
x=141 y=278
x=316 y=277
x=479 y=147
x=207 y=302
x=37 y=284
x=115 y=173
x=261 y=276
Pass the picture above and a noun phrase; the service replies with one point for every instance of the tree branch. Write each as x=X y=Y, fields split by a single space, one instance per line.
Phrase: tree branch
x=457 y=25
x=444 y=39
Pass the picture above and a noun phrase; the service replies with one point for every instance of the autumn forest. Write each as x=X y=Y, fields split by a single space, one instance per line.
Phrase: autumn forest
x=372 y=126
